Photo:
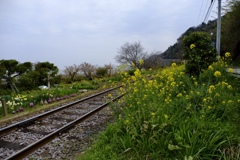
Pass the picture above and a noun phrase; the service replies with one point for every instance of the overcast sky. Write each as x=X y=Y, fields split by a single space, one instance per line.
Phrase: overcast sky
x=67 y=32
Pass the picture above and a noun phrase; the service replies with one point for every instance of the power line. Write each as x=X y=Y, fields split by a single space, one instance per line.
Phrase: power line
x=205 y=8
x=200 y=11
x=209 y=11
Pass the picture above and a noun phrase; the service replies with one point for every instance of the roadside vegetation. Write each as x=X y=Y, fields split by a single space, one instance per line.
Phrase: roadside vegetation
x=188 y=111
x=175 y=116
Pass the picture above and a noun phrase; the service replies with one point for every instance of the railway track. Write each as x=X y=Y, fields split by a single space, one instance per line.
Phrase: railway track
x=21 y=139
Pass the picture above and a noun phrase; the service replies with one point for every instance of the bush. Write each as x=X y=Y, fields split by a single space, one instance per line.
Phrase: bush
x=199 y=52
x=131 y=72
x=86 y=85
x=101 y=72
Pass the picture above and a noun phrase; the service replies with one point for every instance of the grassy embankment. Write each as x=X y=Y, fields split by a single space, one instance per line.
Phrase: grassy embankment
x=174 y=116
x=28 y=102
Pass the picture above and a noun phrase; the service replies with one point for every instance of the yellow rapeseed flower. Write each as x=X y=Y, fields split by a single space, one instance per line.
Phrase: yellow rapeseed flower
x=227 y=54
x=173 y=84
x=211 y=88
x=144 y=96
x=174 y=65
x=210 y=67
x=206 y=99
x=141 y=62
x=192 y=46
x=134 y=78
x=137 y=73
x=179 y=95
x=168 y=100
x=229 y=87
x=224 y=84
x=230 y=70
x=153 y=114
x=165 y=116
x=193 y=78
x=144 y=80
x=170 y=79
x=217 y=74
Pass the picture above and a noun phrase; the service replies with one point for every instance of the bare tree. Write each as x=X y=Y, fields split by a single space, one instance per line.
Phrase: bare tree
x=131 y=54
x=72 y=71
x=88 y=69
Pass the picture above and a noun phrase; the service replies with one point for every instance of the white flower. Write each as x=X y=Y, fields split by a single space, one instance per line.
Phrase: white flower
x=9 y=103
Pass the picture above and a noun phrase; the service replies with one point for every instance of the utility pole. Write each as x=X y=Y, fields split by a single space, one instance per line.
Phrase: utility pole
x=218 y=27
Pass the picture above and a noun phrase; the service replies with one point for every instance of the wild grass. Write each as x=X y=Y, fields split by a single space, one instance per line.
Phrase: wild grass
x=28 y=102
x=173 y=116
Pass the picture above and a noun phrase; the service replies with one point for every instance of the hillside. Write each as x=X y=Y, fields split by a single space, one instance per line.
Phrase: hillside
x=176 y=51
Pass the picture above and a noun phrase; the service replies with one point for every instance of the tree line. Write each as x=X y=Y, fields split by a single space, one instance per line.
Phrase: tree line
x=27 y=76
x=88 y=70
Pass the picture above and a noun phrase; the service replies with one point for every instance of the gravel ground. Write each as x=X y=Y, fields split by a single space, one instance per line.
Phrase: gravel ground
x=69 y=143
x=75 y=141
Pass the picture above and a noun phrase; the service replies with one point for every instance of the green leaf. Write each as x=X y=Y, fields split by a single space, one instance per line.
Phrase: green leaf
x=173 y=147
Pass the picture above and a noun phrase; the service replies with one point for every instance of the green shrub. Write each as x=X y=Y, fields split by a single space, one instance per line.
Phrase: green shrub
x=198 y=52
x=86 y=85
x=101 y=72
x=131 y=72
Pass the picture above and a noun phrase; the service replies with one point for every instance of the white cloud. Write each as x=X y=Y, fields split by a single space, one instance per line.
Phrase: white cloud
x=72 y=31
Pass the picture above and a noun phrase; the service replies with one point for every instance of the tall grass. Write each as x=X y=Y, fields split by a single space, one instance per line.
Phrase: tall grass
x=174 y=116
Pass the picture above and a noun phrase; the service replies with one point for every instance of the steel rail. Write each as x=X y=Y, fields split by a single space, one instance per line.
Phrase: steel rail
x=33 y=147
x=9 y=128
